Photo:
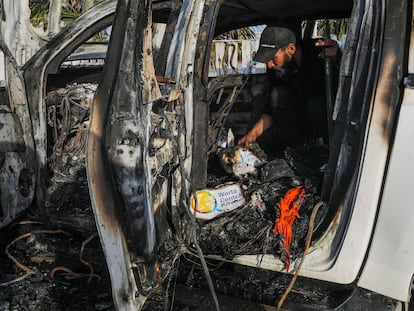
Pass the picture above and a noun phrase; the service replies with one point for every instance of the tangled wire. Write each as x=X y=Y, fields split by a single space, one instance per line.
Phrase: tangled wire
x=68 y=119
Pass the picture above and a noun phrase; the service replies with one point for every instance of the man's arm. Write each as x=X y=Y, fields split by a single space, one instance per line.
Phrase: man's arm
x=264 y=123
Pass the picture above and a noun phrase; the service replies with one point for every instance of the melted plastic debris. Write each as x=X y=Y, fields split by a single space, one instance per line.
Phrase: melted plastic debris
x=242 y=162
x=276 y=169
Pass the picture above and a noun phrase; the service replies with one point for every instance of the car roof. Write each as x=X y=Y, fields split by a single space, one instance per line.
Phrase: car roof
x=235 y=14
x=239 y=13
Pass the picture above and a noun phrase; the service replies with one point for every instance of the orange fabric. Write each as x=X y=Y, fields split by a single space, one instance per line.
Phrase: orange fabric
x=288 y=210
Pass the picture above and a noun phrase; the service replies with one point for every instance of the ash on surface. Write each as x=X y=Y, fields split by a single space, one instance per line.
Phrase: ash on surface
x=61 y=281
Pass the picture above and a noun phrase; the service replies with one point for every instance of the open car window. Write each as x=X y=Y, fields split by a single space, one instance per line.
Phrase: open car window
x=232 y=52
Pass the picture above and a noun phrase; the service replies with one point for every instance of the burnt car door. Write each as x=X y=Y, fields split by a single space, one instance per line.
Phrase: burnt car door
x=139 y=154
x=140 y=148
x=17 y=149
x=29 y=60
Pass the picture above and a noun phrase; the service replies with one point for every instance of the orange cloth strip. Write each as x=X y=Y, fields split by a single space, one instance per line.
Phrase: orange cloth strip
x=288 y=210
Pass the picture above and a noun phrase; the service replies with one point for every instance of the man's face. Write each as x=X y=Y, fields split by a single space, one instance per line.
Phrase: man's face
x=283 y=64
x=279 y=60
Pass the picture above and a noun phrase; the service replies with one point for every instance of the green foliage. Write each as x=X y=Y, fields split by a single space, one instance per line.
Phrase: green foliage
x=337 y=27
x=39 y=10
x=71 y=9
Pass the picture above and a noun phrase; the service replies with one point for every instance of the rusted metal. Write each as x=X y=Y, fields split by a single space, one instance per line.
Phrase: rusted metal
x=118 y=165
x=151 y=90
x=128 y=129
x=201 y=107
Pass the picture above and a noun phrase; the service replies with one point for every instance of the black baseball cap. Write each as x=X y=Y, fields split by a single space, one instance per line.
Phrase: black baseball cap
x=272 y=39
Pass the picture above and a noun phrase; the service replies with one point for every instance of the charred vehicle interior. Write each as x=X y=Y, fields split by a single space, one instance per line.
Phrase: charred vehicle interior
x=135 y=110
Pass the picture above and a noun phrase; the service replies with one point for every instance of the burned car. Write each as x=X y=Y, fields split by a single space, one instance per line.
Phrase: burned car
x=154 y=131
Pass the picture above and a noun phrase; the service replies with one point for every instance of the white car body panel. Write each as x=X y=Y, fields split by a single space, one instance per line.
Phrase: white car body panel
x=390 y=266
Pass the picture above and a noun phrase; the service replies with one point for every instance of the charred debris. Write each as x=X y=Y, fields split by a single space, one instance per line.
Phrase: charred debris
x=264 y=181
x=270 y=196
x=251 y=228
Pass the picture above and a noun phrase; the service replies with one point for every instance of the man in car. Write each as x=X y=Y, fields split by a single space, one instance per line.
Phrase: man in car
x=296 y=100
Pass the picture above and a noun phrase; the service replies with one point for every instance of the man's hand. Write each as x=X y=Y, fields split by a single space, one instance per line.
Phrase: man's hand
x=330 y=48
x=264 y=123
x=247 y=139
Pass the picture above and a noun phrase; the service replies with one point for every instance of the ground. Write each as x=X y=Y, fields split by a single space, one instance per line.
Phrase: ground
x=70 y=274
